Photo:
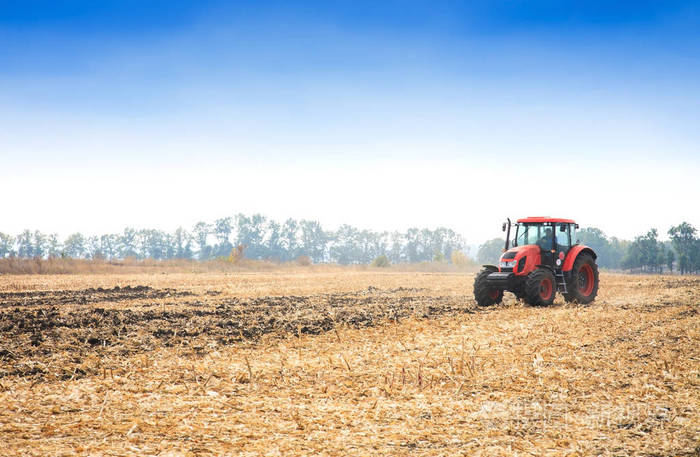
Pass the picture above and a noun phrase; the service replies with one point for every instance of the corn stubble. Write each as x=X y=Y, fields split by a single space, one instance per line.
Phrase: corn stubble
x=351 y=363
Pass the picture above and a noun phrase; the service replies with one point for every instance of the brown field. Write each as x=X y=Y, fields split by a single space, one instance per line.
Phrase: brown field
x=343 y=362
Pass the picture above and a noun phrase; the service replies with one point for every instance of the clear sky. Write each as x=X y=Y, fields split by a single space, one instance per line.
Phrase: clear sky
x=383 y=115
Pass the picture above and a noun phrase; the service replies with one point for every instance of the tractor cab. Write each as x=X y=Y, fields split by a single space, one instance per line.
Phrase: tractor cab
x=542 y=258
x=553 y=237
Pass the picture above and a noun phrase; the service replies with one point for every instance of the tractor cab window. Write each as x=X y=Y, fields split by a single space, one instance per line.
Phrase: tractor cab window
x=527 y=234
x=563 y=240
x=545 y=241
x=534 y=234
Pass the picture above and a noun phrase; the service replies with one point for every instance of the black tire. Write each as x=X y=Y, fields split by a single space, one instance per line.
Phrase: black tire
x=540 y=287
x=583 y=286
x=483 y=294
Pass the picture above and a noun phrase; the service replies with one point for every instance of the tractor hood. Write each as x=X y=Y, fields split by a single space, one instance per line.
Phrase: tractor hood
x=524 y=257
x=519 y=251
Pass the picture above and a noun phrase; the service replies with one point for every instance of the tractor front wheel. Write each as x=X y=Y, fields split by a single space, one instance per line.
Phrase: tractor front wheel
x=583 y=286
x=485 y=295
x=540 y=287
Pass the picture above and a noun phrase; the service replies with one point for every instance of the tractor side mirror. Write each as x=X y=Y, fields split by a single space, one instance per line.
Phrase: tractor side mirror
x=576 y=226
x=504 y=227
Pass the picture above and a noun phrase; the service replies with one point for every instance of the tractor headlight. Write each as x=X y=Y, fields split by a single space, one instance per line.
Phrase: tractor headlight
x=507 y=263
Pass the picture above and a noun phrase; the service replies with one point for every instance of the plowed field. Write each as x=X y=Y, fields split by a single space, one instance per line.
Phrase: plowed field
x=344 y=363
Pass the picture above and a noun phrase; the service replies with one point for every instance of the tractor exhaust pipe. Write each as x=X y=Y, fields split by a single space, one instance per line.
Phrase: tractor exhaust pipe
x=507 y=234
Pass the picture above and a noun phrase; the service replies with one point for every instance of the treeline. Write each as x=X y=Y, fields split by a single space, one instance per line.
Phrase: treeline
x=255 y=237
x=645 y=254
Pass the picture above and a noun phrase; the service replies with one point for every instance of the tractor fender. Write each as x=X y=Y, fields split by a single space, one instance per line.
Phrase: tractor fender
x=574 y=253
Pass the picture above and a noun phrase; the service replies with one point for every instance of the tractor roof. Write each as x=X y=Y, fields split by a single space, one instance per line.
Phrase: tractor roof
x=539 y=220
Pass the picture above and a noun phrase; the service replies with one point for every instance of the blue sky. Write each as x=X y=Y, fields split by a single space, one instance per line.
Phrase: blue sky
x=379 y=114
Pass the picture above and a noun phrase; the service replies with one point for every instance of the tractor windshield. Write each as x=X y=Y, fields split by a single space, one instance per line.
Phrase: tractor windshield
x=534 y=234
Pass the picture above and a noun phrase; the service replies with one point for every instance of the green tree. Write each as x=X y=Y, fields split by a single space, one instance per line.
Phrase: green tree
x=41 y=246
x=109 y=246
x=289 y=240
x=201 y=234
x=93 y=248
x=75 y=246
x=650 y=250
x=490 y=251
x=273 y=241
x=251 y=234
x=596 y=240
x=128 y=243
x=382 y=261
x=182 y=241
x=371 y=245
x=686 y=246
x=444 y=241
x=644 y=253
x=345 y=247
x=25 y=244
x=670 y=257
x=617 y=250
x=661 y=259
x=632 y=258
x=7 y=244
x=412 y=247
x=396 y=251
x=313 y=240
x=54 y=246
x=222 y=231
x=154 y=244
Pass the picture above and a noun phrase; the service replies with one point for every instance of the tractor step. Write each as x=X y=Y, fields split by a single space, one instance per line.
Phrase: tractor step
x=561 y=281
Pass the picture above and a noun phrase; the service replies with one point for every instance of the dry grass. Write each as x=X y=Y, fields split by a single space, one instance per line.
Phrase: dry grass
x=231 y=264
x=619 y=377
x=52 y=266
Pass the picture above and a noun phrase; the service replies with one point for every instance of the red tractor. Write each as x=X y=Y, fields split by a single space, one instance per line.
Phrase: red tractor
x=544 y=257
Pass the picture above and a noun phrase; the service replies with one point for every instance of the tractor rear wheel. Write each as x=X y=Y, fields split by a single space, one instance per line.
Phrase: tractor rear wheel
x=485 y=295
x=540 y=287
x=583 y=286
